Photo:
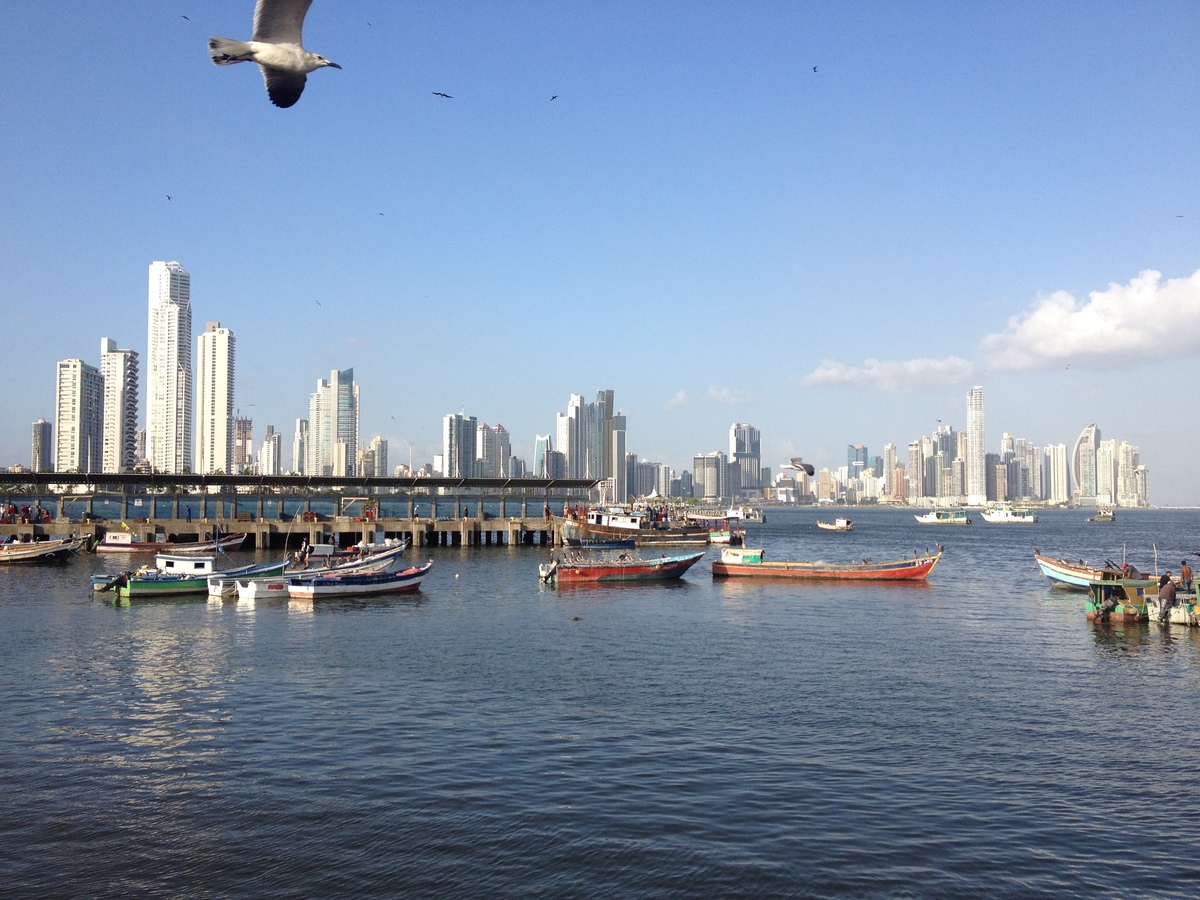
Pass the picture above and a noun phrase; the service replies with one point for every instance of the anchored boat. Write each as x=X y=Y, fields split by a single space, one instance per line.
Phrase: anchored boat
x=1076 y=576
x=623 y=568
x=358 y=584
x=1009 y=515
x=944 y=517
x=839 y=524
x=749 y=563
x=52 y=551
x=621 y=523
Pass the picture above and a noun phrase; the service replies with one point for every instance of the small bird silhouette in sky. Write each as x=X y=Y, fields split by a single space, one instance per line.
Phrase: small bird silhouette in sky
x=442 y=94
x=168 y=196
x=555 y=97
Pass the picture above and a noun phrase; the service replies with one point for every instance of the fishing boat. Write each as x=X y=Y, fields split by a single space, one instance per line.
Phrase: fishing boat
x=748 y=562
x=1104 y=514
x=622 y=523
x=171 y=576
x=358 y=584
x=839 y=524
x=1009 y=515
x=225 y=583
x=52 y=551
x=623 y=568
x=944 y=517
x=1076 y=576
x=123 y=542
x=1121 y=600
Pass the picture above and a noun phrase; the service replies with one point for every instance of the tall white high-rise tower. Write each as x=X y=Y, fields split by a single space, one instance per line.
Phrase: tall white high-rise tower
x=119 y=369
x=976 y=449
x=214 y=400
x=79 y=401
x=169 y=369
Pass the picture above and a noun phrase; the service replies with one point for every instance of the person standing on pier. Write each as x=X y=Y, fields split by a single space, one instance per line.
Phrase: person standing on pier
x=187 y=514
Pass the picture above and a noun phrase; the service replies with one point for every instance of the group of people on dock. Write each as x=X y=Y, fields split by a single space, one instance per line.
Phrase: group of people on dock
x=24 y=515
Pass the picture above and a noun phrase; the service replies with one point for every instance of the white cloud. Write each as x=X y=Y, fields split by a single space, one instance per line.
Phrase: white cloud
x=1145 y=320
x=912 y=374
x=678 y=400
x=728 y=396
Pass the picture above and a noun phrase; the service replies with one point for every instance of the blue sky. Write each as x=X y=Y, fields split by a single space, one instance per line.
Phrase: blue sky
x=995 y=194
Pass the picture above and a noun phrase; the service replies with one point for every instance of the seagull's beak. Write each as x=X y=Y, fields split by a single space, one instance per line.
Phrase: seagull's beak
x=334 y=65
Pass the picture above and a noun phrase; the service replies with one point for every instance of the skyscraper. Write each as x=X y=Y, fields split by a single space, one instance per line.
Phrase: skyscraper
x=976 y=449
x=541 y=449
x=169 y=369
x=79 y=406
x=584 y=436
x=41 y=451
x=333 y=425
x=1059 y=490
x=621 y=488
x=1083 y=465
x=119 y=369
x=270 y=456
x=493 y=449
x=243 y=444
x=745 y=450
x=458 y=445
x=300 y=448
x=214 y=401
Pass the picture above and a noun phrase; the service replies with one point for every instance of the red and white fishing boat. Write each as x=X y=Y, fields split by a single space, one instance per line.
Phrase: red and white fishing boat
x=749 y=563
x=574 y=570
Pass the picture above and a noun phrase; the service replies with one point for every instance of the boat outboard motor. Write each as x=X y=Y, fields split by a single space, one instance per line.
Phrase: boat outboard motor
x=118 y=581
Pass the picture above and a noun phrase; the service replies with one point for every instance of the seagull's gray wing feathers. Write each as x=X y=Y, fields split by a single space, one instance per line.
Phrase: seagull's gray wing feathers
x=283 y=87
x=279 y=22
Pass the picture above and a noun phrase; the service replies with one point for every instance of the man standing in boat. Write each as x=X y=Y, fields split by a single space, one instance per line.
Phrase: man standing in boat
x=1166 y=597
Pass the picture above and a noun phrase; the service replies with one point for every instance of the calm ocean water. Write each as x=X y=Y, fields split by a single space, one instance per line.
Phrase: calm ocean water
x=492 y=736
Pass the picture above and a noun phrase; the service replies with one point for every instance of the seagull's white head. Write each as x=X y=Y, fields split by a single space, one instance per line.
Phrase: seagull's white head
x=318 y=61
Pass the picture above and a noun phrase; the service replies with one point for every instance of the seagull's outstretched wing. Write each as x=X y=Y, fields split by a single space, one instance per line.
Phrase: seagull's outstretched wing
x=279 y=22
x=283 y=87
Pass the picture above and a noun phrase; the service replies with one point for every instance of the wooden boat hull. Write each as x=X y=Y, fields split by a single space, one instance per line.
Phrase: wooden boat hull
x=323 y=586
x=899 y=570
x=40 y=552
x=617 y=571
x=1074 y=576
x=575 y=530
x=224 y=584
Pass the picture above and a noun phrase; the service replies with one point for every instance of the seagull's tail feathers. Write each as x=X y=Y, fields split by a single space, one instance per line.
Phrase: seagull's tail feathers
x=226 y=52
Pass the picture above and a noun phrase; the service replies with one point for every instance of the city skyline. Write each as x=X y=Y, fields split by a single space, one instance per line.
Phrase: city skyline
x=948 y=467
x=1002 y=196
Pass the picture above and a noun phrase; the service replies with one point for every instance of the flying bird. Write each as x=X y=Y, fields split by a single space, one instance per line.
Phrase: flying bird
x=168 y=196
x=276 y=48
x=555 y=97
x=814 y=68
x=441 y=94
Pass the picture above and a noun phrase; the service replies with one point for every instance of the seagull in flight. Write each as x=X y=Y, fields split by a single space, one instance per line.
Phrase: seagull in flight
x=276 y=48
x=168 y=196
x=442 y=94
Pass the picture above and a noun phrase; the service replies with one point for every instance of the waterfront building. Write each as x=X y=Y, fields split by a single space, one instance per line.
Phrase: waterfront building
x=300 y=448
x=169 y=369
x=119 y=369
x=1058 y=480
x=270 y=455
x=541 y=447
x=856 y=463
x=243 y=443
x=1129 y=483
x=214 y=400
x=710 y=474
x=1083 y=465
x=41 y=450
x=584 y=435
x=1106 y=473
x=889 y=471
x=459 y=455
x=333 y=420
x=79 y=417
x=916 y=470
x=976 y=451
x=745 y=452
x=494 y=449
x=379 y=447
x=622 y=485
